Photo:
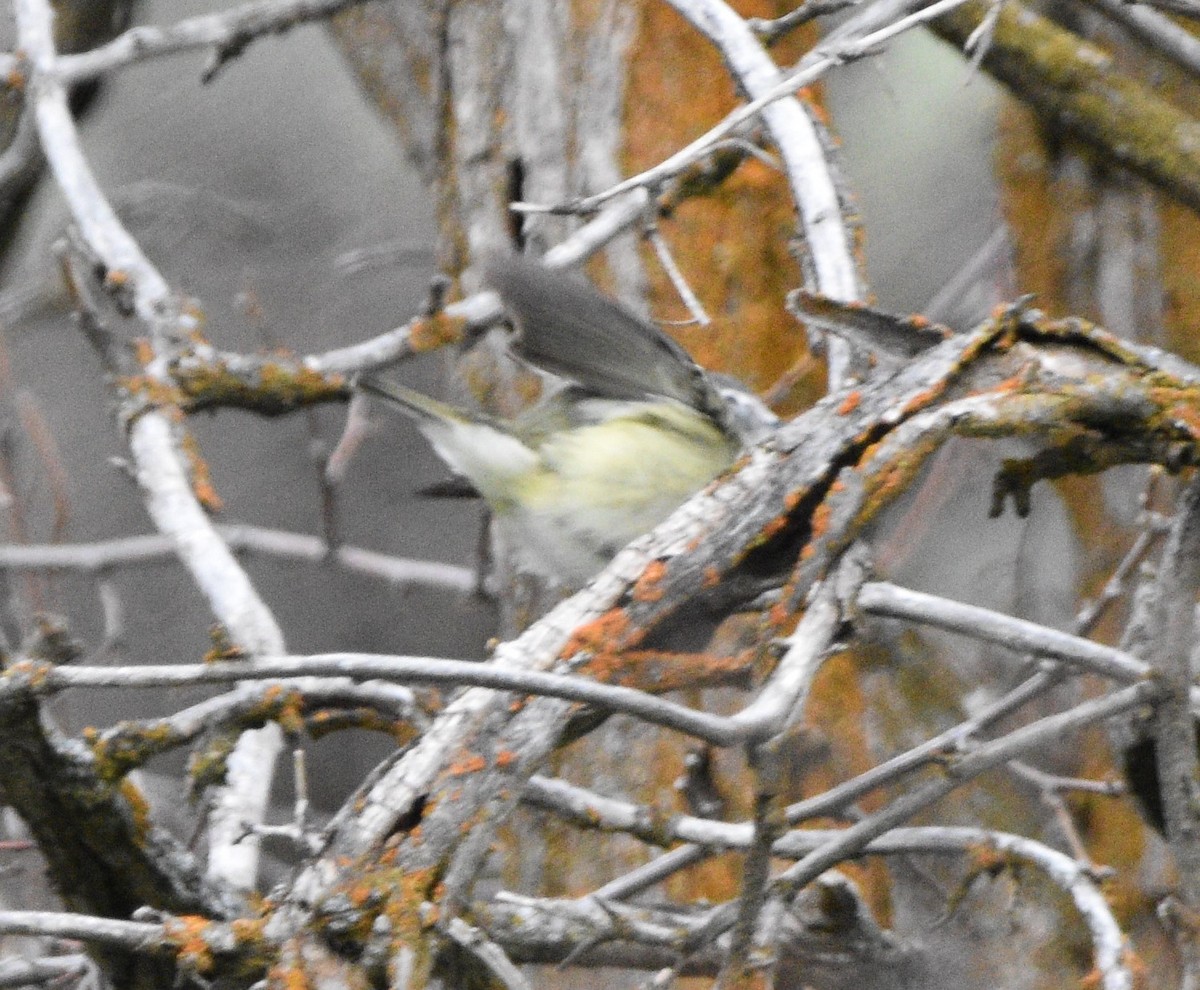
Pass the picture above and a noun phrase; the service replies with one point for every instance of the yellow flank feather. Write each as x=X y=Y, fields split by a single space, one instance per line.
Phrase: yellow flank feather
x=568 y=498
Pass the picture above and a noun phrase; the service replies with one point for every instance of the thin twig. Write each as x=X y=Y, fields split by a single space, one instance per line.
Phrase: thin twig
x=137 y=936
x=884 y=599
x=854 y=840
x=135 y=551
x=772 y=30
x=488 y=952
x=822 y=61
x=416 y=670
x=296 y=831
x=46 y=970
x=227 y=33
x=985 y=757
x=663 y=251
x=1050 y=788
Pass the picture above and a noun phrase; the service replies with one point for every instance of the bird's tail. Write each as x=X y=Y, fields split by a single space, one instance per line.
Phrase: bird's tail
x=416 y=404
x=483 y=451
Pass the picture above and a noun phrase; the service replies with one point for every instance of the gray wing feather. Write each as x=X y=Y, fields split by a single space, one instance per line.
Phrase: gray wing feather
x=566 y=327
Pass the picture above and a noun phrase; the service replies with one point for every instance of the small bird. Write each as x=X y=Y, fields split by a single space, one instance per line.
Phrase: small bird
x=636 y=428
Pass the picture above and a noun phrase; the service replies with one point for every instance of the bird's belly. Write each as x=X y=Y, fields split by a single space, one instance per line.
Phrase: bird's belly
x=596 y=496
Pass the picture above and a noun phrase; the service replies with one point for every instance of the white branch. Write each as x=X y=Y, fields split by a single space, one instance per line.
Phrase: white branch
x=227 y=33
x=132 y=551
x=136 y=935
x=159 y=465
x=883 y=599
x=810 y=70
x=594 y=810
x=716 y=729
x=795 y=136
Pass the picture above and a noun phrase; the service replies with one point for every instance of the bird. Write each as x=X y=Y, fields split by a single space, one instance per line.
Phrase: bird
x=634 y=428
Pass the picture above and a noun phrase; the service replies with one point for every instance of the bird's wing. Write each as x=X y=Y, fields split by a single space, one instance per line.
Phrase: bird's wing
x=566 y=327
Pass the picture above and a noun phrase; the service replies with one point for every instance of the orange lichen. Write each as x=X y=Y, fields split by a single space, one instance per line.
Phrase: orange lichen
x=819 y=524
x=428 y=333
x=224 y=648
x=771 y=529
x=190 y=935
x=143 y=350
x=1184 y=414
x=295 y=384
x=288 y=978
x=603 y=633
x=505 y=757
x=661 y=670
x=923 y=399
x=471 y=763
x=153 y=393
x=712 y=576
x=359 y=894
x=850 y=403
x=139 y=809
x=288 y=710
x=247 y=930
x=202 y=483
x=648 y=587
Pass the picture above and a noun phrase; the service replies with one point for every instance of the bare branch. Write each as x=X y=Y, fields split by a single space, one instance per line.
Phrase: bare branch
x=228 y=34
x=133 y=551
x=592 y=924
x=772 y=30
x=1077 y=91
x=417 y=670
x=161 y=475
x=880 y=598
x=131 y=743
x=810 y=70
x=46 y=969
x=985 y=757
x=849 y=843
x=1159 y=32
x=490 y=954
x=138 y=936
